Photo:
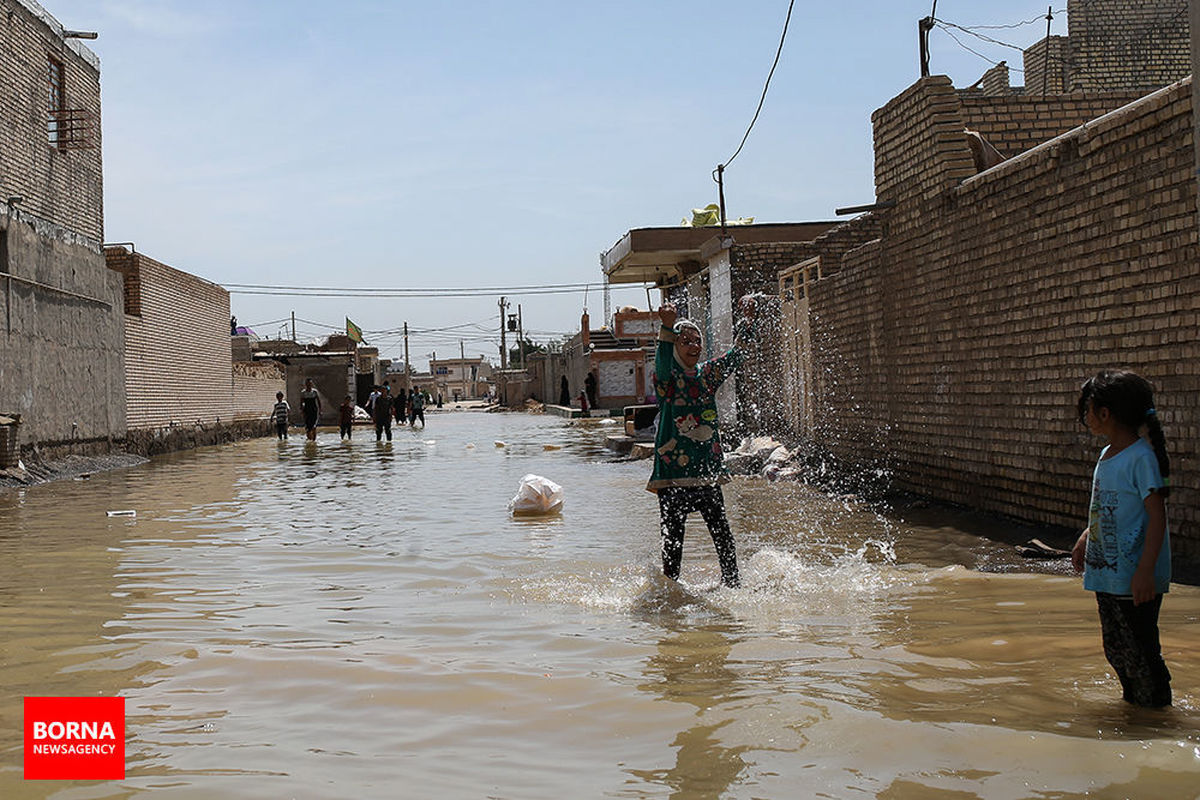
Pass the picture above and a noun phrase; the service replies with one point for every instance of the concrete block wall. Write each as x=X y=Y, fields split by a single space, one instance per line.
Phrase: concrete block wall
x=61 y=185
x=177 y=350
x=254 y=387
x=956 y=344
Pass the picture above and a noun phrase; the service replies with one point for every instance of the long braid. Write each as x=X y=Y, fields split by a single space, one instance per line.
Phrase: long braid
x=1159 y=442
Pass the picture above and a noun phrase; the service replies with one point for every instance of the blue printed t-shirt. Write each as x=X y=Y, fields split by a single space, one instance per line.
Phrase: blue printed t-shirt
x=1117 y=521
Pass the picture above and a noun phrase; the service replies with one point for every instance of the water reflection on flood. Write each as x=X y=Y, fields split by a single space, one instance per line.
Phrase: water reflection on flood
x=354 y=619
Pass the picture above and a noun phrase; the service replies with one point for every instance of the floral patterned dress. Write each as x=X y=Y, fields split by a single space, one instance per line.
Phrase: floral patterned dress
x=687 y=448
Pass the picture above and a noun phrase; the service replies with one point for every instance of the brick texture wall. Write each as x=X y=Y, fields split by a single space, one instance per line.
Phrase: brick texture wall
x=254 y=387
x=956 y=343
x=1128 y=44
x=177 y=351
x=61 y=185
x=1016 y=123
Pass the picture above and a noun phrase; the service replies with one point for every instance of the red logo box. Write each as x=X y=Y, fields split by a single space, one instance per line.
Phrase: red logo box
x=74 y=738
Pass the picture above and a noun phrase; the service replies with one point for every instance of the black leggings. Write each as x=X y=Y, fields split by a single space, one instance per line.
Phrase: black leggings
x=1131 y=646
x=674 y=504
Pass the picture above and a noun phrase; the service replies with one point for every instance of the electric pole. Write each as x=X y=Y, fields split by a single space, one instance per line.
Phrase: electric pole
x=521 y=337
x=503 y=344
x=407 y=379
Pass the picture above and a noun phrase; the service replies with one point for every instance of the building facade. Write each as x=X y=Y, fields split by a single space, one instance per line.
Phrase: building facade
x=60 y=307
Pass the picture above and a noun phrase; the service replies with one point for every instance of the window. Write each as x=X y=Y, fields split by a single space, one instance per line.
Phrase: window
x=56 y=97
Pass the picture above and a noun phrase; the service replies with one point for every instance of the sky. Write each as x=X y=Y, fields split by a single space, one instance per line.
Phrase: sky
x=481 y=145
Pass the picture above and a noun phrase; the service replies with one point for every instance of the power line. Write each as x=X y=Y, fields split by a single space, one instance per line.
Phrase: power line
x=767 y=85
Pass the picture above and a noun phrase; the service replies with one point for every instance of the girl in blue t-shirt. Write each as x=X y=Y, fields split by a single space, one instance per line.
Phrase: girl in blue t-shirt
x=1125 y=552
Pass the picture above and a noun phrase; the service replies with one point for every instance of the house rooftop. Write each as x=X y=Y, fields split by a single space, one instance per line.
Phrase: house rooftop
x=657 y=255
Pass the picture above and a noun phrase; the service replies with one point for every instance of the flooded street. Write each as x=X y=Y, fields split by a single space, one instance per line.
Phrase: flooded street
x=362 y=620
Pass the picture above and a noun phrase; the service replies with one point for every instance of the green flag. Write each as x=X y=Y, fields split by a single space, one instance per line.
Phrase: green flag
x=353 y=331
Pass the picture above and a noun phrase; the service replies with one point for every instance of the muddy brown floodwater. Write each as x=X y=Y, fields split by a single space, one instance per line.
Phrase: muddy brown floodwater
x=356 y=620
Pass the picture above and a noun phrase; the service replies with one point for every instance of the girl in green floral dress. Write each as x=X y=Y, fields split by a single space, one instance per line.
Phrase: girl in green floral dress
x=689 y=466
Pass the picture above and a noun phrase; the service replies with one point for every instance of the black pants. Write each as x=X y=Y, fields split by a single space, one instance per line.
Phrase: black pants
x=1131 y=646
x=674 y=504
x=413 y=415
x=382 y=425
x=281 y=430
x=344 y=430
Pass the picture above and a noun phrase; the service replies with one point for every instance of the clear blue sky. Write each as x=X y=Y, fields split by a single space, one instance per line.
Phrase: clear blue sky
x=368 y=143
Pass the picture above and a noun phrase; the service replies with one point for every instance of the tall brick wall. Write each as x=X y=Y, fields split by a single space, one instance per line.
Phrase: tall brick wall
x=956 y=344
x=1128 y=44
x=63 y=185
x=177 y=352
x=1046 y=66
x=254 y=386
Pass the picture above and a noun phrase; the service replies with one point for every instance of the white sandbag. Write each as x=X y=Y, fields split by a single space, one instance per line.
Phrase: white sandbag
x=536 y=495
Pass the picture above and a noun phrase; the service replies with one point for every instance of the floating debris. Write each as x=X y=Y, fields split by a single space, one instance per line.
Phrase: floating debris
x=536 y=496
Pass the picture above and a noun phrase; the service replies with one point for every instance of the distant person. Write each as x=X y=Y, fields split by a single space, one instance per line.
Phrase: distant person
x=346 y=417
x=310 y=405
x=279 y=415
x=375 y=390
x=1125 y=551
x=400 y=407
x=583 y=403
x=689 y=466
x=416 y=408
x=383 y=414
x=439 y=399
x=589 y=386
x=564 y=393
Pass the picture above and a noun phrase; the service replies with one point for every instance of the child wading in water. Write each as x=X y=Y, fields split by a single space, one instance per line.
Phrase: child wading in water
x=689 y=467
x=1125 y=552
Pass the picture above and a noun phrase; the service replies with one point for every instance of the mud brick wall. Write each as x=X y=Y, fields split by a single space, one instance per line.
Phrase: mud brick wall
x=61 y=185
x=956 y=344
x=254 y=388
x=177 y=351
x=1128 y=44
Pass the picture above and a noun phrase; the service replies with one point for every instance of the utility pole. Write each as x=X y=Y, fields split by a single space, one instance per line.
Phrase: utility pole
x=462 y=366
x=293 y=326
x=407 y=379
x=503 y=344
x=521 y=337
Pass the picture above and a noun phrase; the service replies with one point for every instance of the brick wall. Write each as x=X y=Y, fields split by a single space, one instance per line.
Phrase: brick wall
x=254 y=386
x=1046 y=66
x=1128 y=44
x=60 y=184
x=1015 y=123
x=957 y=342
x=177 y=350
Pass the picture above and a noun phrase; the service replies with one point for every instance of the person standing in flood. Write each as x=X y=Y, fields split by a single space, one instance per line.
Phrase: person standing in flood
x=416 y=408
x=279 y=415
x=346 y=417
x=689 y=466
x=400 y=406
x=310 y=405
x=1125 y=551
x=383 y=414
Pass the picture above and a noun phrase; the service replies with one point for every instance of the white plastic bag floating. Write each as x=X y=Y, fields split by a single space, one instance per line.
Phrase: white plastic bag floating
x=536 y=495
